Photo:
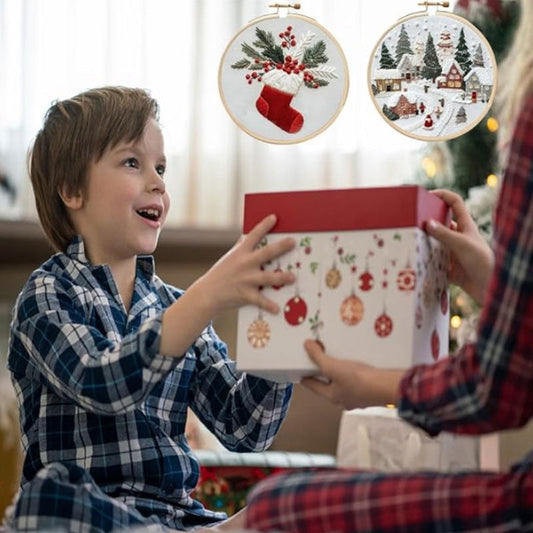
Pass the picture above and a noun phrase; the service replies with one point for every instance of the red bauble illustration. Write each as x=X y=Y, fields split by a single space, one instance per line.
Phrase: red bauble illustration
x=444 y=301
x=366 y=281
x=352 y=310
x=435 y=345
x=406 y=280
x=295 y=311
x=277 y=287
x=383 y=325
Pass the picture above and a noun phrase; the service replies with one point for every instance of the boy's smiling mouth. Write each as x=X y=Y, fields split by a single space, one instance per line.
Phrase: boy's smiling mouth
x=150 y=213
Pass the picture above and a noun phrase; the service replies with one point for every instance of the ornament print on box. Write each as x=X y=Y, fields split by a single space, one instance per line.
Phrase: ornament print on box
x=283 y=79
x=432 y=76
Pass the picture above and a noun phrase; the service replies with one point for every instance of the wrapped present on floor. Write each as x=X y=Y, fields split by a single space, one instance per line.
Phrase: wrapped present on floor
x=376 y=438
x=370 y=283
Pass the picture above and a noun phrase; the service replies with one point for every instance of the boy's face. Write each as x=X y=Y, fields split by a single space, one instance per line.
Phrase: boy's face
x=126 y=202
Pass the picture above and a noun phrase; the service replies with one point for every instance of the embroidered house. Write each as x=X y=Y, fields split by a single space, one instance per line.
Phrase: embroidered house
x=408 y=69
x=451 y=77
x=388 y=79
x=404 y=104
x=367 y=276
x=479 y=84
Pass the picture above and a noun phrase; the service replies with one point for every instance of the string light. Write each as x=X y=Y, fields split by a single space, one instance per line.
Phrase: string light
x=429 y=166
x=455 y=321
x=492 y=180
x=492 y=124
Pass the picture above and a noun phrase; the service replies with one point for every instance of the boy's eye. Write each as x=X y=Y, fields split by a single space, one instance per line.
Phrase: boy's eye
x=161 y=170
x=131 y=162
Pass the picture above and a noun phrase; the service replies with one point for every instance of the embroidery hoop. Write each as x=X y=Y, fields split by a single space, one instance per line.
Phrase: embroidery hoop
x=241 y=104
x=421 y=133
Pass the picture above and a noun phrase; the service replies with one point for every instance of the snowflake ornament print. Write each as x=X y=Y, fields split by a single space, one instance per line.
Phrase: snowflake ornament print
x=432 y=77
x=283 y=80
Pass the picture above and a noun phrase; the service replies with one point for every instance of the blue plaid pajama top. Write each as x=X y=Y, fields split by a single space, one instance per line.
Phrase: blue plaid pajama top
x=97 y=398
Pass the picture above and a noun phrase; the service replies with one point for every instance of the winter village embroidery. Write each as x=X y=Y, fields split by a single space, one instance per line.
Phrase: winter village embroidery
x=433 y=77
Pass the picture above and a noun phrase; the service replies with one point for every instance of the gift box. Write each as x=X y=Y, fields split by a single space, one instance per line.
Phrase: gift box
x=376 y=438
x=370 y=282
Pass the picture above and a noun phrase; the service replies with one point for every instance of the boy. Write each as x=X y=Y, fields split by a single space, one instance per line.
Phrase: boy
x=104 y=356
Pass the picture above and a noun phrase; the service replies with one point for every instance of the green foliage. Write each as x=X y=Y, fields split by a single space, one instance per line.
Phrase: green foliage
x=403 y=46
x=431 y=68
x=474 y=154
x=242 y=63
x=462 y=54
x=314 y=55
x=386 y=61
x=389 y=113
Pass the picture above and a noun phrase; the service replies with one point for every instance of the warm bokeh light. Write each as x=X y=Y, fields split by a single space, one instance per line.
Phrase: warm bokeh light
x=429 y=166
x=492 y=180
x=492 y=124
x=390 y=406
x=455 y=321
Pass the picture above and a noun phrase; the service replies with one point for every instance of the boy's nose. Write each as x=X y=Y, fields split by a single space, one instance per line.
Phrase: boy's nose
x=157 y=183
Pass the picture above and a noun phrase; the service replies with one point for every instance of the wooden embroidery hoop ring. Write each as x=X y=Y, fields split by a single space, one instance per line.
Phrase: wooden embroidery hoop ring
x=288 y=15
x=453 y=17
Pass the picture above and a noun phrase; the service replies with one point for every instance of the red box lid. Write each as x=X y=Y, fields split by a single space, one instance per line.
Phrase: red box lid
x=345 y=209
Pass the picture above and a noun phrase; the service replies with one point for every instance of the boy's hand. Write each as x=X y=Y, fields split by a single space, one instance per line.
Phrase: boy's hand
x=237 y=278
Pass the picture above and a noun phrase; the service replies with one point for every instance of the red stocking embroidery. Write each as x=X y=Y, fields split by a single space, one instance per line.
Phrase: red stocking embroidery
x=275 y=106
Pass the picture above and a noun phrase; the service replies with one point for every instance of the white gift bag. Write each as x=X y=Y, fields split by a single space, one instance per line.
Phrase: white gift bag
x=376 y=438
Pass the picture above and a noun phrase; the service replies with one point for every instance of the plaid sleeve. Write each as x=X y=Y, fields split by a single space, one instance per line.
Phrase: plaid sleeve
x=243 y=411
x=489 y=385
x=52 y=342
x=367 y=502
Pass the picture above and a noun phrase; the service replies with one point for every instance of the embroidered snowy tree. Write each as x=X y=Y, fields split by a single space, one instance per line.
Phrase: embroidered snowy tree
x=462 y=55
x=479 y=60
x=403 y=46
x=431 y=67
x=283 y=67
x=386 y=61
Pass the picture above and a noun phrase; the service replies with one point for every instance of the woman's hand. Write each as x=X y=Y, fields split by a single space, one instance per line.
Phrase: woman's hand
x=471 y=259
x=351 y=384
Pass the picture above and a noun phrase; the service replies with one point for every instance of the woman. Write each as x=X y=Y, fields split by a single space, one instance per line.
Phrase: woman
x=486 y=387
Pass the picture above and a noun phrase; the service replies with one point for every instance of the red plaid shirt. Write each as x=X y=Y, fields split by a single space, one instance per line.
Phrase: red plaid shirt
x=487 y=387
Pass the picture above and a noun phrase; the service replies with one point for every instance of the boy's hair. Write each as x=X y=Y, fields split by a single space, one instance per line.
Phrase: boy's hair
x=77 y=132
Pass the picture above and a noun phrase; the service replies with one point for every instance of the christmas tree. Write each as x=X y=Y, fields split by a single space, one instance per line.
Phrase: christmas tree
x=468 y=160
x=386 y=61
x=462 y=55
x=474 y=155
x=403 y=46
x=431 y=68
x=479 y=61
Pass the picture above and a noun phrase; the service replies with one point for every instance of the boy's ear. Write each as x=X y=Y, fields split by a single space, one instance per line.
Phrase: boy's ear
x=72 y=201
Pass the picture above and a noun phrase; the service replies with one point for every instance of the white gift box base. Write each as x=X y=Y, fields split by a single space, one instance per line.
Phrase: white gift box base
x=377 y=439
x=370 y=283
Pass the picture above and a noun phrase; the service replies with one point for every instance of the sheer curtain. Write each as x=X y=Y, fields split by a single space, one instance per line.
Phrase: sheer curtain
x=52 y=49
